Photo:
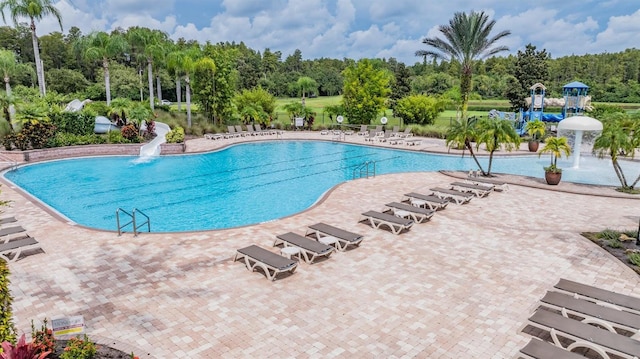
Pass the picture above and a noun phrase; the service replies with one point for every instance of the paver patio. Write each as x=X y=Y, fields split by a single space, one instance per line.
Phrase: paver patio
x=459 y=286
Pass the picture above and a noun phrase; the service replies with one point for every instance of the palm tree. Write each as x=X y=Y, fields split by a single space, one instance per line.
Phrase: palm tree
x=460 y=135
x=556 y=146
x=174 y=59
x=494 y=134
x=102 y=46
x=8 y=65
x=466 y=39
x=7 y=103
x=34 y=10
x=208 y=66
x=147 y=45
x=620 y=137
x=306 y=83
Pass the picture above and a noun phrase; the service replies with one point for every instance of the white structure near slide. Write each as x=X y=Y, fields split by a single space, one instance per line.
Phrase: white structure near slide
x=152 y=149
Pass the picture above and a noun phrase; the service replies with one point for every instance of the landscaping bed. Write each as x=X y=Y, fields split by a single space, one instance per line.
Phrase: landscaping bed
x=619 y=244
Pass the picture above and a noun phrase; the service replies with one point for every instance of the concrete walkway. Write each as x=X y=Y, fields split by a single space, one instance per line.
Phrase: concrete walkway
x=459 y=286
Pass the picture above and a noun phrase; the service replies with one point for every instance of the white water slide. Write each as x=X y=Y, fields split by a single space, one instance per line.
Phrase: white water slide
x=152 y=149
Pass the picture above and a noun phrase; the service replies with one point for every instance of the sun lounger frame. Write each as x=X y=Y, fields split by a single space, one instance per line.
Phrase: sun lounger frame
x=538 y=349
x=345 y=238
x=600 y=296
x=585 y=336
x=418 y=214
x=498 y=185
x=12 y=251
x=434 y=202
x=478 y=191
x=258 y=257
x=456 y=196
x=395 y=224
x=310 y=250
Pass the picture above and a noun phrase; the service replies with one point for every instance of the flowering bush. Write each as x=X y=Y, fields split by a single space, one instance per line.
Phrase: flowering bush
x=42 y=339
x=79 y=349
x=130 y=132
x=22 y=350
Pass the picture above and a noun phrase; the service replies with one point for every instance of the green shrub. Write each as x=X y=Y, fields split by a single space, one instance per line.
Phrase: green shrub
x=77 y=123
x=116 y=137
x=634 y=258
x=608 y=234
x=62 y=139
x=614 y=243
x=34 y=134
x=97 y=108
x=7 y=328
x=176 y=135
x=131 y=133
x=79 y=349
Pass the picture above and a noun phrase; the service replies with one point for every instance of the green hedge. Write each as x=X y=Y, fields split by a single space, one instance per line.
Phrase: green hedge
x=7 y=328
x=76 y=123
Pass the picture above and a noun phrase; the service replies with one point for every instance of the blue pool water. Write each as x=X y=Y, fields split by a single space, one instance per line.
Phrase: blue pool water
x=239 y=185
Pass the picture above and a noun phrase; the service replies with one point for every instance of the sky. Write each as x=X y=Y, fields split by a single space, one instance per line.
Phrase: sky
x=362 y=28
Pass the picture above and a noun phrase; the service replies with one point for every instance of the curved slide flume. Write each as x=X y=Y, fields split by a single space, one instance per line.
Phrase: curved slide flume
x=152 y=149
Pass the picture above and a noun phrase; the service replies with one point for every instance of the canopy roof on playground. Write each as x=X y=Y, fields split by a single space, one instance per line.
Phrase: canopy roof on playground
x=575 y=85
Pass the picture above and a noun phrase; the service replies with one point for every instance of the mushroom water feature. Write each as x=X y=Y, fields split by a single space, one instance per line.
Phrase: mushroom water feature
x=579 y=125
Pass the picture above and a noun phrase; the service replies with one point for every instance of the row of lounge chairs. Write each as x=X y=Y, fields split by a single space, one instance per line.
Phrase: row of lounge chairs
x=15 y=244
x=237 y=131
x=580 y=318
x=319 y=242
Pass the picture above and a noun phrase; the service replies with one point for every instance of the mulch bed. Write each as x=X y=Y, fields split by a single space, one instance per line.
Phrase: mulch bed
x=618 y=252
x=103 y=352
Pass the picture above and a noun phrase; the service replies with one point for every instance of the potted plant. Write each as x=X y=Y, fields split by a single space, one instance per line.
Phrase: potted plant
x=536 y=130
x=556 y=146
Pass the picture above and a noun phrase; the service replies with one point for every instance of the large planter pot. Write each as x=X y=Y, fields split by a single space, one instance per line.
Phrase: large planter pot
x=533 y=146
x=552 y=178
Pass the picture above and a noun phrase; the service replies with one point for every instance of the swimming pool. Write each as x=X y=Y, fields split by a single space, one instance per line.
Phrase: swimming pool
x=243 y=184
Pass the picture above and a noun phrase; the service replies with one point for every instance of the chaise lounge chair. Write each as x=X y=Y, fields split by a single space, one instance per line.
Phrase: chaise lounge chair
x=10 y=230
x=455 y=196
x=406 y=134
x=8 y=220
x=478 y=191
x=422 y=200
x=418 y=214
x=537 y=349
x=240 y=131
x=498 y=185
x=231 y=132
x=271 y=263
x=597 y=295
x=344 y=238
x=395 y=224
x=213 y=136
x=309 y=249
x=591 y=313
x=363 y=130
x=12 y=251
x=584 y=335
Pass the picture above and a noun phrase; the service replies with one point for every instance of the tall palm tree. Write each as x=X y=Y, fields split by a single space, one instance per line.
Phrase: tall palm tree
x=460 y=135
x=466 y=39
x=495 y=134
x=620 y=137
x=174 y=61
x=34 y=10
x=8 y=65
x=102 y=46
x=147 y=45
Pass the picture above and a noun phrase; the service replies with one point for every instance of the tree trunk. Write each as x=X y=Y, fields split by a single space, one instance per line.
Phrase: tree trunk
x=188 y=96
x=36 y=53
x=107 y=80
x=179 y=93
x=465 y=88
x=150 y=78
x=473 y=155
x=158 y=86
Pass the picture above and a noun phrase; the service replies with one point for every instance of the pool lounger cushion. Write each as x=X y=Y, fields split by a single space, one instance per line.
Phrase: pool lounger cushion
x=456 y=196
x=499 y=186
x=418 y=214
x=538 y=349
x=395 y=224
x=12 y=251
x=11 y=230
x=271 y=263
x=597 y=295
x=309 y=249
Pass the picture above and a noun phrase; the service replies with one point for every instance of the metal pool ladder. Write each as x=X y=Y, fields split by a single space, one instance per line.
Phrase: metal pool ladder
x=132 y=216
x=365 y=170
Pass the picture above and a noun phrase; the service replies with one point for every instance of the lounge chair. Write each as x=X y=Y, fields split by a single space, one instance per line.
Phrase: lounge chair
x=11 y=230
x=250 y=131
x=455 y=196
x=478 y=191
x=395 y=140
x=584 y=335
x=363 y=130
x=213 y=136
x=395 y=224
x=498 y=185
x=406 y=134
x=422 y=200
x=13 y=250
x=344 y=238
x=271 y=263
x=8 y=220
x=599 y=296
x=538 y=349
x=396 y=131
x=264 y=132
x=371 y=136
x=591 y=313
x=418 y=214
x=385 y=136
x=309 y=249
x=240 y=131
x=231 y=132
x=414 y=142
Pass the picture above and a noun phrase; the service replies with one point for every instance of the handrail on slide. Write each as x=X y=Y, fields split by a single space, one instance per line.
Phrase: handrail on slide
x=132 y=215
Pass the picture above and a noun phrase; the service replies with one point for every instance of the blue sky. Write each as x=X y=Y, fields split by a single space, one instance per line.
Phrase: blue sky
x=362 y=28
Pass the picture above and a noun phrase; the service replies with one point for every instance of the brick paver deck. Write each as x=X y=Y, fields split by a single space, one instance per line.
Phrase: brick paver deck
x=459 y=286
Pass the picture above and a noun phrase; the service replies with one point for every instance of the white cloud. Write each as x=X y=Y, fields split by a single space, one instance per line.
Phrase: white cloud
x=167 y=25
x=621 y=33
x=71 y=16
